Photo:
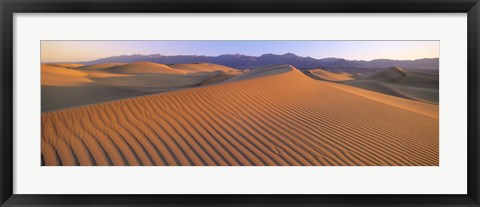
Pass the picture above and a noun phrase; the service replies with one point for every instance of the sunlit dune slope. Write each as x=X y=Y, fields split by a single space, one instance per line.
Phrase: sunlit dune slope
x=283 y=118
x=328 y=76
x=203 y=67
x=420 y=86
x=59 y=76
x=143 y=67
x=101 y=66
x=67 y=65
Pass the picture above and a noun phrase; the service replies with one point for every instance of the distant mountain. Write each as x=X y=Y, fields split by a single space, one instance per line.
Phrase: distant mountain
x=244 y=61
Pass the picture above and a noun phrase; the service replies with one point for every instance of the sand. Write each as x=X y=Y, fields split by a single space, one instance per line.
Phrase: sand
x=53 y=75
x=101 y=66
x=72 y=87
x=67 y=65
x=203 y=67
x=274 y=116
x=143 y=68
x=328 y=76
x=261 y=72
x=395 y=81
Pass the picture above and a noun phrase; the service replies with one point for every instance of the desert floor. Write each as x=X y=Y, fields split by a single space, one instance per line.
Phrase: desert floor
x=211 y=115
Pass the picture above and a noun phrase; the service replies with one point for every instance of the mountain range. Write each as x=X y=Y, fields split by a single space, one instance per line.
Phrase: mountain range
x=244 y=61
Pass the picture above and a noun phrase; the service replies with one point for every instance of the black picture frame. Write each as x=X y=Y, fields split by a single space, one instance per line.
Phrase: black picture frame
x=10 y=7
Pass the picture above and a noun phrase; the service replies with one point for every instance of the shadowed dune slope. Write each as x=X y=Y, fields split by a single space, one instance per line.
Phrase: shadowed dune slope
x=261 y=72
x=328 y=76
x=399 y=76
x=427 y=95
x=284 y=118
x=160 y=81
x=414 y=85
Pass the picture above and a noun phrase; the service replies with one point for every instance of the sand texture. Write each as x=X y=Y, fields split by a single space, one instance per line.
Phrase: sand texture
x=271 y=116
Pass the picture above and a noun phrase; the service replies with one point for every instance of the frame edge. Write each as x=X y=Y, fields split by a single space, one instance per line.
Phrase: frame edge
x=473 y=20
x=6 y=105
x=6 y=99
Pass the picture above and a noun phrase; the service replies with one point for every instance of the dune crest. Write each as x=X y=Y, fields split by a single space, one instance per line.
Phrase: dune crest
x=66 y=65
x=328 y=76
x=272 y=116
x=101 y=66
x=262 y=72
x=143 y=68
x=203 y=67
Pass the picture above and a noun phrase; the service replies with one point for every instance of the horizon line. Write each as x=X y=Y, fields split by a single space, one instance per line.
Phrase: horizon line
x=240 y=55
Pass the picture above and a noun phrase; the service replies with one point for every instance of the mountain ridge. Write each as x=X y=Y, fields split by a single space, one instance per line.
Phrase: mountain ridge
x=240 y=61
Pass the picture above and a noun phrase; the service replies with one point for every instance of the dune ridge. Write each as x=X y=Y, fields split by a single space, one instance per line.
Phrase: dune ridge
x=143 y=68
x=203 y=67
x=282 y=118
x=67 y=65
x=261 y=72
x=328 y=76
x=101 y=66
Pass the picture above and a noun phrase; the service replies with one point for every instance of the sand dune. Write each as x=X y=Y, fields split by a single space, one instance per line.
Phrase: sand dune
x=420 y=86
x=143 y=68
x=217 y=79
x=414 y=93
x=63 y=87
x=401 y=76
x=67 y=65
x=273 y=116
x=261 y=72
x=101 y=66
x=203 y=67
x=60 y=76
x=56 y=98
x=328 y=76
x=164 y=81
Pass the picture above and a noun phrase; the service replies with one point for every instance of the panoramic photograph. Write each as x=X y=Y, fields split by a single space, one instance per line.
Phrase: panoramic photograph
x=239 y=103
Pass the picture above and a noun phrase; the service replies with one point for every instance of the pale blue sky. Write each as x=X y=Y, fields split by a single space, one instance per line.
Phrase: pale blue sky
x=71 y=51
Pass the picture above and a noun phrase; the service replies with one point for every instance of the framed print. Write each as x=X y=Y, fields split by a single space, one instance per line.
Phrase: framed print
x=239 y=103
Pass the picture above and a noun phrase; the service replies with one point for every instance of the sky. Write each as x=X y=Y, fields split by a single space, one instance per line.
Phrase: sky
x=76 y=51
